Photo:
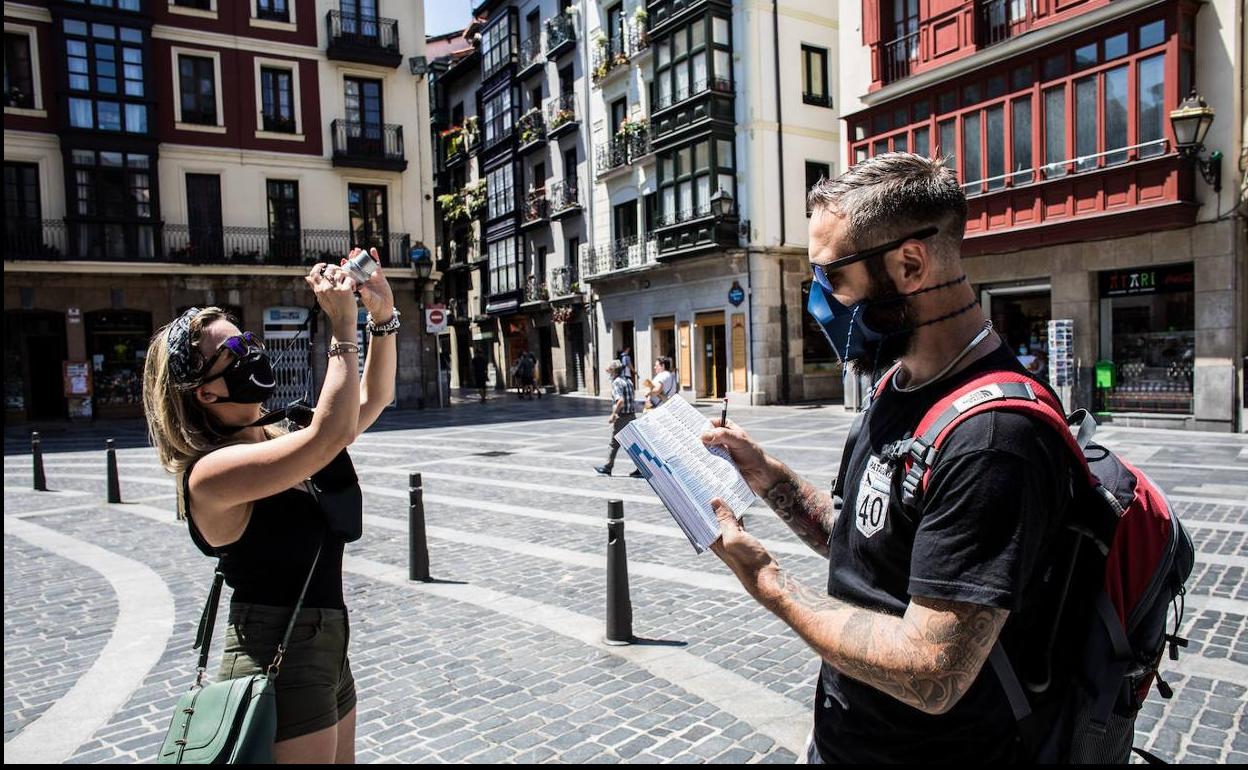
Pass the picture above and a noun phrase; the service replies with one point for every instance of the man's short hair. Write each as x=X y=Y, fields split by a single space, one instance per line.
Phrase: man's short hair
x=895 y=194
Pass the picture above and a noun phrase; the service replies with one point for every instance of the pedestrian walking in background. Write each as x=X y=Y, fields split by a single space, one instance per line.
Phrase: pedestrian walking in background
x=626 y=362
x=623 y=411
x=243 y=491
x=480 y=372
x=663 y=385
x=522 y=375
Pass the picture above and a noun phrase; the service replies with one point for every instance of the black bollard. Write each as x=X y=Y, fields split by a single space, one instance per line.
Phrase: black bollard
x=36 y=453
x=417 y=546
x=619 y=606
x=114 y=484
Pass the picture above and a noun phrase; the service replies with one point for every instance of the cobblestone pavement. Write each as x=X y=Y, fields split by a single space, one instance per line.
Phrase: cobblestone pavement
x=503 y=659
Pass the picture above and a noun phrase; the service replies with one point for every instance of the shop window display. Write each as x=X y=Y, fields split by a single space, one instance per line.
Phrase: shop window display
x=117 y=344
x=1148 y=334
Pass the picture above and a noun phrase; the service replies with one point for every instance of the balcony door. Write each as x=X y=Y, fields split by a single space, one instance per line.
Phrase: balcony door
x=203 y=216
x=366 y=211
x=23 y=231
x=359 y=18
x=362 y=100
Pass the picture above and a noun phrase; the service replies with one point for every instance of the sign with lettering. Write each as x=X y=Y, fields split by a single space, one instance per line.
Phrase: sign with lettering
x=736 y=295
x=1152 y=280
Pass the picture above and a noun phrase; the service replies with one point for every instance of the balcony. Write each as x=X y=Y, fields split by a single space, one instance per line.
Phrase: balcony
x=535 y=211
x=999 y=20
x=561 y=115
x=665 y=14
x=57 y=240
x=563 y=283
x=707 y=99
x=535 y=291
x=368 y=145
x=637 y=252
x=532 y=130
x=560 y=36
x=564 y=198
x=498 y=128
x=363 y=39
x=456 y=253
x=610 y=56
x=638 y=38
x=900 y=57
x=531 y=56
x=454 y=147
x=630 y=144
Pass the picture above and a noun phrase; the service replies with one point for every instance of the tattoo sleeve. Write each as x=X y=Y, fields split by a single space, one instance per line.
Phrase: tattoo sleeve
x=808 y=511
x=927 y=658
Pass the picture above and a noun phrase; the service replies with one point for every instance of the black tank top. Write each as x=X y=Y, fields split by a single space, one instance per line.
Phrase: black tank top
x=270 y=561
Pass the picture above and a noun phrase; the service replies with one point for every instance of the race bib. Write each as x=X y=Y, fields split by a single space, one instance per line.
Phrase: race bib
x=871 y=503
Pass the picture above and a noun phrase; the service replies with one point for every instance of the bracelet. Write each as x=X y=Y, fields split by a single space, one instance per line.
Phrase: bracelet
x=389 y=327
x=343 y=348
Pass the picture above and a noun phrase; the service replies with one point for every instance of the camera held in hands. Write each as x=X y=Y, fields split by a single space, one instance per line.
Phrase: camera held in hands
x=361 y=266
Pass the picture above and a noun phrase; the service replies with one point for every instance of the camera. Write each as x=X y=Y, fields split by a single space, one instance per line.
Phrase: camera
x=361 y=266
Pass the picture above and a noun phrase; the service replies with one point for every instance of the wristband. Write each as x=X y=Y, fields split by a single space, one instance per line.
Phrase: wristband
x=342 y=349
x=389 y=327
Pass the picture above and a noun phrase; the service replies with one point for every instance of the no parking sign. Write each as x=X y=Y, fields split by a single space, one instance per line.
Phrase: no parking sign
x=435 y=319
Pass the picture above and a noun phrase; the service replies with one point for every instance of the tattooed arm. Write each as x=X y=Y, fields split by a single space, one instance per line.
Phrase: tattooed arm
x=808 y=511
x=927 y=658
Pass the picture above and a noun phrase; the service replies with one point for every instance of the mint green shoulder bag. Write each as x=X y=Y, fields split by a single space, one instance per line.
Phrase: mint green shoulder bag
x=231 y=722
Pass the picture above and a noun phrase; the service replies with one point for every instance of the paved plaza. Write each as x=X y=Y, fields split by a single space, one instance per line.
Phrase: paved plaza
x=502 y=659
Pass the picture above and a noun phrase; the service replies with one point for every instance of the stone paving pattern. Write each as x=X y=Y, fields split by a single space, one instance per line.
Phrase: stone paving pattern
x=446 y=681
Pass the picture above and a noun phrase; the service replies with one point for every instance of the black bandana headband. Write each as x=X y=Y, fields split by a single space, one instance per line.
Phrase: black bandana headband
x=181 y=351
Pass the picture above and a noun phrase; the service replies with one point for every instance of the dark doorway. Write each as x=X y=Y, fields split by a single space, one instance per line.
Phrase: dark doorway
x=203 y=206
x=364 y=117
x=546 y=363
x=576 y=350
x=34 y=349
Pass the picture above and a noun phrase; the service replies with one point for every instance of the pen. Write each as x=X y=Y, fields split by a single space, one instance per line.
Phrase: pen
x=723 y=417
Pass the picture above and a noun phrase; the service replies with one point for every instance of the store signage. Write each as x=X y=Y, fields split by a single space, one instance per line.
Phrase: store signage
x=736 y=295
x=77 y=376
x=74 y=315
x=1157 y=280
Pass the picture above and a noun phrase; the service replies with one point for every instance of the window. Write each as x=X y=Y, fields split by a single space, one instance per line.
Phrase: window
x=566 y=81
x=1020 y=142
x=111 y=204
x=367 y=215
x=273 y=10
x=497 y=46
x=1055 y=132
x=498 y=117
x=815 y=172
x=972 y=170
x=105 y=77
x=1150 y=108
x=994 y=133
x=922 y=141
x=1115 y=107
x=815 y=76
x=277 y=99
x=948 y=142
x=572 y=257
x=503 y=266
x=283 y=195
x=689 y=64
x=198 y=85
x=199 y=5
x=23 y=231
x=1085 y=123
x=1152 y=33
x=19 y=83
x=688 y=176
x=500 y=192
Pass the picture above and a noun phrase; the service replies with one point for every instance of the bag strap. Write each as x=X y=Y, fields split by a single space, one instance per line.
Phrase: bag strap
x=208 y=620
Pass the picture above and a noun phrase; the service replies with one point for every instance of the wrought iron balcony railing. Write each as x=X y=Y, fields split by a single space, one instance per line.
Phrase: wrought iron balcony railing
x=563 y=281
x=368 y=145
x=609 y=54
x=630 y=253
x=999 y=20
x=560 y=35
x=535 y=206
x=530 y=52
x=363 y=38
x=531 y=127
x=719 y=85
x=535 y=290
x=55 y=239
x=563 y=195
x=899 y=57
x=560 y=114
x=624 y=148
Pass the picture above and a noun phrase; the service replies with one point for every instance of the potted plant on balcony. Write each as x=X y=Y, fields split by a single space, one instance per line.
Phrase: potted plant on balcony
x=562 y=115
x=640 y=17
x=454 y=206
x=474 y=198
x=472 y=131
x=531 y=126
x=601 y=60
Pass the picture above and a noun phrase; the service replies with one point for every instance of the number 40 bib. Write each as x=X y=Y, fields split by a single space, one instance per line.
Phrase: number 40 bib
x=871 y=509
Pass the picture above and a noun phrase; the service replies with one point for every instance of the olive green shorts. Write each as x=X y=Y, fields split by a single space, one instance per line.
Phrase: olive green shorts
x=315 y=688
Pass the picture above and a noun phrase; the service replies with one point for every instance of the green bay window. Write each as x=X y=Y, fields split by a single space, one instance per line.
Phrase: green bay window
x=690 y=175
x=691 y=60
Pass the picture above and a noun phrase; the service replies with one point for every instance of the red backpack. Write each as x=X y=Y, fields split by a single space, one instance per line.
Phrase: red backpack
x=1126 y=565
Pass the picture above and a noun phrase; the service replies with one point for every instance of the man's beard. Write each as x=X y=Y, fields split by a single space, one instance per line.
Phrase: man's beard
x=888 y=312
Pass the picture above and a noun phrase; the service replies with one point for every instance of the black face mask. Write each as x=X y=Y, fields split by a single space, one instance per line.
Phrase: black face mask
x=249 y=379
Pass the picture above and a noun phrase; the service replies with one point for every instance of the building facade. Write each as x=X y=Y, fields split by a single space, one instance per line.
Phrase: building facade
x=511 y=175
x=1083 y=207
x=161 y=154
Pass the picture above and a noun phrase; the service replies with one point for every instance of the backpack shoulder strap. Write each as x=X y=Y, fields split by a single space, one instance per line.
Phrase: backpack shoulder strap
x=1008 y=391
x=855 y=428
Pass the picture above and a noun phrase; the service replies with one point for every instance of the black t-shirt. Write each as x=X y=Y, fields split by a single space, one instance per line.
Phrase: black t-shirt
x=982 y=534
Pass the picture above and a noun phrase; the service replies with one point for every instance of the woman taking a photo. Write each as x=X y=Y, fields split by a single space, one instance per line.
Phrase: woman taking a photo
x=243 y=493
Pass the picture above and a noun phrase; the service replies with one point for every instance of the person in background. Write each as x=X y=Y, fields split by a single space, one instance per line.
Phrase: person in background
x=480 y=371
x=663 y=385
x=623 y=411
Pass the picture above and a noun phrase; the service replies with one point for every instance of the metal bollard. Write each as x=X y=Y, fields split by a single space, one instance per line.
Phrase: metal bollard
x=36 y=453
x=417 y=545
x=114 y=484
x=619 y=606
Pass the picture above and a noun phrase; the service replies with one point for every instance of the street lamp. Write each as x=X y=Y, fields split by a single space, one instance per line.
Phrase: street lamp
x=423 y=262
x=721 y=204
x=1190 y=123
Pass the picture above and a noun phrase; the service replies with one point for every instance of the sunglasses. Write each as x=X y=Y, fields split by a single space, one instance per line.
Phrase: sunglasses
x=821 y=271
x=240 y=345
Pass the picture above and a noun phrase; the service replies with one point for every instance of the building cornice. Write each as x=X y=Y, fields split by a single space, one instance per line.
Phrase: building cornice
x=236 y=42
x=27 y=12
x=1022 y=44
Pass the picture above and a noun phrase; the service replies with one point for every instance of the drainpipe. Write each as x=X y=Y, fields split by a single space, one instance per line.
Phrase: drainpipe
x=587 y=136
x=784 y=307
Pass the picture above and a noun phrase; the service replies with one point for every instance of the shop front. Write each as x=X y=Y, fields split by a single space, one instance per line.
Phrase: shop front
x=1147 y=340
x=34 y=350
x=117 y=343
x=1020 y=315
